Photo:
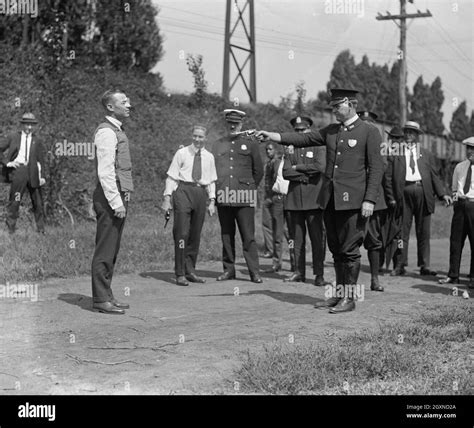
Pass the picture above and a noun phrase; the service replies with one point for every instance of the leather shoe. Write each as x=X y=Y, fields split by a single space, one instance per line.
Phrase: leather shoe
x=192 y=277
x=375 y=285
x=329 y=303
x=295 y=277
x=181 y=280
x=225 y=276
x=344 y=305
x=448 y=280
x=398 y=271
x=267 y=255
x=320 y=282
x=427 y=272
x=256 y=278
x=273 y=269
x=120 y=305
x=107 y=308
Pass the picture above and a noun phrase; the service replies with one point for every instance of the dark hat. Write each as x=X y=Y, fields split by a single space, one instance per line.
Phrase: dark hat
x=395 y=132
x=232 y=115
x=301 y=122
x=415 y=126
x=469 y=141
x=28 y=118
x=339 y=95
x=366 y=114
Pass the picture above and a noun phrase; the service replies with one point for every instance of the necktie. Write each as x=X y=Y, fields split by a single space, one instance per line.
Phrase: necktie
x=412 y=161
x=467 y=183
x=196 y=174
x=26 y=149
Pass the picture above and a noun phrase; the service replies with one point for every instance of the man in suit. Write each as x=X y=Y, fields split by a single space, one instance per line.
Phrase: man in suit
x=303 y=168
x=239 y=172
x=268 y=177
x=110 y=198
x=191 y=181
x=462 y=224
x=24 y=165
x=374 y=240
x=354 y=169
x=273 y=203
x=414 y=182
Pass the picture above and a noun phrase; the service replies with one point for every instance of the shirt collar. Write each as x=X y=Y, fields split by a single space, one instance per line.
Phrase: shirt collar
x=114 y=121
x=194 y=149
x=351 y=120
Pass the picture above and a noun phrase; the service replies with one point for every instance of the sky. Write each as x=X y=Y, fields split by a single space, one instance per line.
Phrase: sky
x=298 y=40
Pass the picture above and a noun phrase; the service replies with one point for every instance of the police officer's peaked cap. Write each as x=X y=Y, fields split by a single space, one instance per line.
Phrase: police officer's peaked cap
x=232 y=115
x=301 y=122
x=339 y=95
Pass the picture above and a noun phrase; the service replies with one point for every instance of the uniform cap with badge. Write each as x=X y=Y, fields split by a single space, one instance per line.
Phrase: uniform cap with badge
x=301 y=122
x=340 y=95
x=234 y=116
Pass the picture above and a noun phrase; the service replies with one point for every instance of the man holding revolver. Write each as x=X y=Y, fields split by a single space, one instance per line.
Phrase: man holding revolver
x=354 y=170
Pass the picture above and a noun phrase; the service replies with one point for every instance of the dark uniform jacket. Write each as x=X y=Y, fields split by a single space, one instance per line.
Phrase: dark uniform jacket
x=239 y=167
x=354 y=163
x=13 y=143
x=306 y=179
x=430 y=181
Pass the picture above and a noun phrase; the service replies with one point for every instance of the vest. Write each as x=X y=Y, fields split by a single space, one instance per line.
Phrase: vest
x=123 y=163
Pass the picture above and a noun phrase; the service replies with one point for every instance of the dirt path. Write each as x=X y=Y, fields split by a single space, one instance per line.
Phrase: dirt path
x=183 y=340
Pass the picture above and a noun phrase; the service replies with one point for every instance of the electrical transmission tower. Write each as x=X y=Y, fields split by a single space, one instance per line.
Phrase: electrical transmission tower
x=239 y=8
x=403 y=51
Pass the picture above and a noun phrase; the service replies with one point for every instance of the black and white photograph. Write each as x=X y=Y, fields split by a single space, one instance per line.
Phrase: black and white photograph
x=236 y=199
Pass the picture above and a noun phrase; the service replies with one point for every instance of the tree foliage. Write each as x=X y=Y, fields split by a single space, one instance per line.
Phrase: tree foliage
x=460 y=126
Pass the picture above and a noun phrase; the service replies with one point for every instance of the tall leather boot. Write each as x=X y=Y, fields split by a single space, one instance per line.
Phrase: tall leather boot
x=374 y=262
x=351 y=275
x=334 y=300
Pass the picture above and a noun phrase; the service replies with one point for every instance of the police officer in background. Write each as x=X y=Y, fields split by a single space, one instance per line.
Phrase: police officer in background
x=374 y=238
x=191 y=181
x=354 y=170
x=303 y=168
x=239 y=172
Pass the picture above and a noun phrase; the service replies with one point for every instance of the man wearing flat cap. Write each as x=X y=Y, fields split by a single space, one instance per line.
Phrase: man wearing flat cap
x=415 y=181
x=354 y=169
x=239 y=172
x=462 y=224
x=303 y=168
x=191 y=181
x=24 y=164
x=374 y=241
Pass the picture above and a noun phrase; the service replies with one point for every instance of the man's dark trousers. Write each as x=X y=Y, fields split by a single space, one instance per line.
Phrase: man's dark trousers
x=462 y=225
x=278 y=219
x=245 y=218
x=20 y=182
x=189 y=205
x=414 y=205
x=313 y=221
x=107 y=245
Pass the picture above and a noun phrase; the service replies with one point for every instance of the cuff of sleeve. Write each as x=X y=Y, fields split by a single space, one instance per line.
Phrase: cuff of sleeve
x=116 y=202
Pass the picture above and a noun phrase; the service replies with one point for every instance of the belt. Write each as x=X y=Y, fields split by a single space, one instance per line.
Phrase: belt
x=417 y=183
x=190 y=183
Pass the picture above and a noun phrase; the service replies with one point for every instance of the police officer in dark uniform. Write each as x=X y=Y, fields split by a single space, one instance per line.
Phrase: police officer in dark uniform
x=239 y=172
x=374 y=238
x=303 y=168
x=354 y=170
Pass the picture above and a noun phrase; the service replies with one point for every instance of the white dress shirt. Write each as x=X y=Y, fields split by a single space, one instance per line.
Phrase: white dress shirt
x=181 y=169
x=459 y=178
x=106 y=142
x=412 y=176
x=25 y=146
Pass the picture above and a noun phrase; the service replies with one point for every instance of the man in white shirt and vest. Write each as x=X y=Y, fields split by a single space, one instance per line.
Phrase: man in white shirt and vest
x=23 y=170
x=111 y=196
x=414 y=183
x=462 y=224
x=191 y=181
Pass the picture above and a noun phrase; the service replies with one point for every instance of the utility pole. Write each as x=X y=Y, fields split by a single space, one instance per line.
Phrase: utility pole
x=230 y=47
x=402 y=55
